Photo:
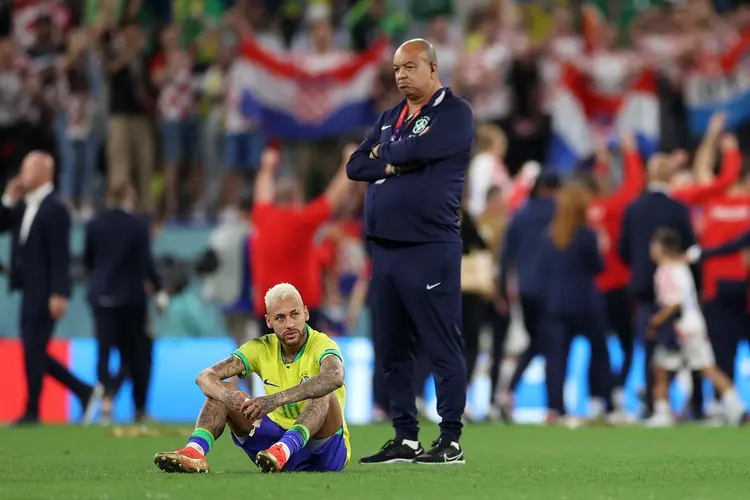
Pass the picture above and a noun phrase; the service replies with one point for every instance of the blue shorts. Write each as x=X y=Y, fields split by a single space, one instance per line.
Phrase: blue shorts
x=180 y=141
x=243 y=151
x=330 y=456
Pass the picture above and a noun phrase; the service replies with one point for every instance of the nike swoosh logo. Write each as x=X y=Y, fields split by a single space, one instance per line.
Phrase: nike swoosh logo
x=385 y=127
x=430 y=287
x=269 y=383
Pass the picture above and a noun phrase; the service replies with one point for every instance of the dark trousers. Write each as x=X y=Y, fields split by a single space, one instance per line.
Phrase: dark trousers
x=620 y=315
x=125 y=329
x=533 y=321
x=560 y=331
x=728 y=323
x=499 y=324
x=416 y=297
x=36 y=332
x=472 y=314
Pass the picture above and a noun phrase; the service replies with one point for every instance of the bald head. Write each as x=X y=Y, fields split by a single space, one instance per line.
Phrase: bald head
x=38 y=168
x=419 y=47
x=659 y=169
x=416 y=69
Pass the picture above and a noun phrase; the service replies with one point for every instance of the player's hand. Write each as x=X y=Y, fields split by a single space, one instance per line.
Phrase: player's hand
x=14 y=189
x=57 y=306
x=375 y=152
x=257 y=408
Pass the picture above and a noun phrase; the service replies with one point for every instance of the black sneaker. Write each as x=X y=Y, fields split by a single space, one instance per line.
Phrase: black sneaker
x=394 y=452
x=443 y=452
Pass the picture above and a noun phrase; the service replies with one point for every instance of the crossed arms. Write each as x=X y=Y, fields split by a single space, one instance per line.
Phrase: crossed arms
x=449 y=133
x=330 y=378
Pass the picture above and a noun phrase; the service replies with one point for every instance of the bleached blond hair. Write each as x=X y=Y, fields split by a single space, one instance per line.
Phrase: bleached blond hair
x=282 y=291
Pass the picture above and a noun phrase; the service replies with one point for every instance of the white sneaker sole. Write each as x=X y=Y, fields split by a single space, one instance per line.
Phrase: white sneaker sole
x=391 y=461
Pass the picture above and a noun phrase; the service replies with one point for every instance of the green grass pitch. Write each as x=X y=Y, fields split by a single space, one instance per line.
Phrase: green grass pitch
x=502 y=462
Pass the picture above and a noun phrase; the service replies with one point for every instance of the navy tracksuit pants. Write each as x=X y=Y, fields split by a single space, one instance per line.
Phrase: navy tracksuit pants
x=560 y=330
x=728 y=323
x=416 y=299
x=620 y=315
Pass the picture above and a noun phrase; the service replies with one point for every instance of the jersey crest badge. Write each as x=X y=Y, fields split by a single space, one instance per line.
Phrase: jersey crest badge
x=420 y=125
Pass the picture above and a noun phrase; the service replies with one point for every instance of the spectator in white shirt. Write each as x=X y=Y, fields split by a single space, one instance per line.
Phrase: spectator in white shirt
x=486 y=169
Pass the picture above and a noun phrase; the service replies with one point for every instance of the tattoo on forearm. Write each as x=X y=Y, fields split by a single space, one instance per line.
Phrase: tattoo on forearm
x=228 y=367
x=330 y=378
x=314 y=414
x=213 y=417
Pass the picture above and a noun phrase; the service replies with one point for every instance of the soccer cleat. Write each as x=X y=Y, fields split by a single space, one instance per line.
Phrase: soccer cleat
x=443 y=452
x=187 y=460
x=394 y=452
x=271 y=460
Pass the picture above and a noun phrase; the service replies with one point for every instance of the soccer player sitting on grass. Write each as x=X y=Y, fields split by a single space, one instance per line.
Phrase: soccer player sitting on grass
x=680 y=331
x=299 y=424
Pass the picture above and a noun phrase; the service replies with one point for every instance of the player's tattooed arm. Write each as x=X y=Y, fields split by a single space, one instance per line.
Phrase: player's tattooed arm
x=330 y=378
x=209 y=380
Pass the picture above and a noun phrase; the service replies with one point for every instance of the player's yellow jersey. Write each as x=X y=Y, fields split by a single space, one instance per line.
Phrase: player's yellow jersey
x=263 y=357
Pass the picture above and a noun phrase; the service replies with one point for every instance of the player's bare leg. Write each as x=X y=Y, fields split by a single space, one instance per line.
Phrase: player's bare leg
x=733 y=406
x=662 y=416
x=320 y=419
x=214 y=416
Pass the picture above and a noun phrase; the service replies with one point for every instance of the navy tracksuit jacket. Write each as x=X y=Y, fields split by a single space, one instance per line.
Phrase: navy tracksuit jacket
x=412 y=221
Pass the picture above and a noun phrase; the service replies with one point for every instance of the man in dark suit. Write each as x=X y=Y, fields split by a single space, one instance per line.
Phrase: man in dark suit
x=655 y=208
x=40 y=261
x=120 y=269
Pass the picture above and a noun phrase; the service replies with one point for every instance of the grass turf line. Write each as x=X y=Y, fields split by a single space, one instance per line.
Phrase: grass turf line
x=61 y=462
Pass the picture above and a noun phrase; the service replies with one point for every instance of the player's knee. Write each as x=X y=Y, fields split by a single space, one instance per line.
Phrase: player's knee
x=231 y=386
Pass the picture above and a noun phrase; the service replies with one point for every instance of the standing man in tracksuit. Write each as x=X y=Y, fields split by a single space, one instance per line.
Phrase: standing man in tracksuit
x=521 y=252
x=415 y=162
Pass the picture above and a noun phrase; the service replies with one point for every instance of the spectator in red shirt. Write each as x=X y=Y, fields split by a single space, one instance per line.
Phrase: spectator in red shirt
x=283 y=247
x=725 y=218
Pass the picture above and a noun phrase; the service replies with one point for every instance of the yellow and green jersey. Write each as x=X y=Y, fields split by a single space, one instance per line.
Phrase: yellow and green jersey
x=263 y=357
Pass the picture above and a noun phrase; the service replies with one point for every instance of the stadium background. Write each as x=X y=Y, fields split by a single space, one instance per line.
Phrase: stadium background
x=181 y=351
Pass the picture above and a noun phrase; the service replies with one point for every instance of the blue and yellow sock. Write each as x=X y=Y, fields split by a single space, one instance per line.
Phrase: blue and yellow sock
x=201 y=440
x=295 y=439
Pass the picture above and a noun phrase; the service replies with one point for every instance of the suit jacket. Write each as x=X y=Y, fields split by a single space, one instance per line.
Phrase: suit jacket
x=118 y=260
x=570 y=275
x=652 y=210
x=40 y=266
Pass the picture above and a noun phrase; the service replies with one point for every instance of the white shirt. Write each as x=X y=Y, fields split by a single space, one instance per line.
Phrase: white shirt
x=33 y=201
x=485 y=171
x=674 y=285
x=227 y=241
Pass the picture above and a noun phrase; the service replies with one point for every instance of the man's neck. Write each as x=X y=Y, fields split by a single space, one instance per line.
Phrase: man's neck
x=413 y=105
x=290 y=352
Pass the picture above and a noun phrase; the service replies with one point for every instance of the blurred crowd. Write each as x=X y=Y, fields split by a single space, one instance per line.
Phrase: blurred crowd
x=140 y=90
